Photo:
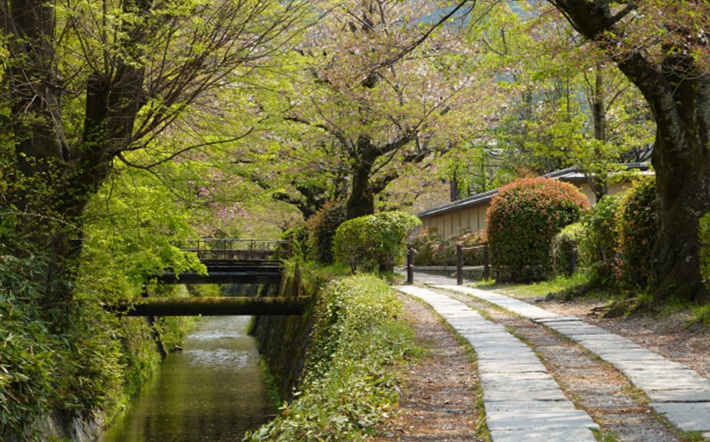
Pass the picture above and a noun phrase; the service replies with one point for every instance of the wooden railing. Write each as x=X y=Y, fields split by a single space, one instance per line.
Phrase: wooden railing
x=459 y=262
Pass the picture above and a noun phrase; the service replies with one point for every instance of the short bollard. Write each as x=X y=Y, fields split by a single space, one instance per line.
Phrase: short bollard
x=410 y=265
x=486 y=264
x=459 y=264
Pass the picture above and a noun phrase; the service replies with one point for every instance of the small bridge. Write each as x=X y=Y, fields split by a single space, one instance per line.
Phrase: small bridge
x=228 y=261
x=234 y=261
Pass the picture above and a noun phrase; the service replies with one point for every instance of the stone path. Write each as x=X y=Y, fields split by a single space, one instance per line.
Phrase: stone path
x=675 y=390
x=522 y=401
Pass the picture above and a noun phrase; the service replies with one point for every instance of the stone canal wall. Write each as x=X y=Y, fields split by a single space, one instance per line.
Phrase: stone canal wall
x=284 y=341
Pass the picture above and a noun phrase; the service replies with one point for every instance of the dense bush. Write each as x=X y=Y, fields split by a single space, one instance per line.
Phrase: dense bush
x=373 y=241
x=599 y=243
x=432 y=250
x=348 y=388
x=638 y=230
x=563 y=245
x=705 y=248
x=28 y=382
x=321 y=230
x=522 y=220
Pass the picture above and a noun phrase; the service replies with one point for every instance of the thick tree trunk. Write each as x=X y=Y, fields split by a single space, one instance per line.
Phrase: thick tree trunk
x=56 y=181
x=678 y=92
x=362 y=199
x=682 y=163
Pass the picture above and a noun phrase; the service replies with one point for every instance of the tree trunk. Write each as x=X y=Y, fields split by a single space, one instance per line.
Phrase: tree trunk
x=599 y=182
x=57 y=182
x=682 y=164
x=362 y=199
x=678 y=92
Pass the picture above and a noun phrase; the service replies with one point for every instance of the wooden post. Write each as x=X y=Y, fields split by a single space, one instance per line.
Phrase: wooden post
x=410 y=265
x=486 y=263
x=572 y=260
x=459 y=264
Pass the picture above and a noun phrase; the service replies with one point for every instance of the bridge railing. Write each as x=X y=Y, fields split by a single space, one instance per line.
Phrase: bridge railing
x=238 y=249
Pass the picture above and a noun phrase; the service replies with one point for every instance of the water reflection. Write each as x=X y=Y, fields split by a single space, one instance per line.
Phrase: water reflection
x=211 y=391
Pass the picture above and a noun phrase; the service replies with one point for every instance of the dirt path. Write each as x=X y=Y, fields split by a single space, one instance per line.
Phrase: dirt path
x=439 y=403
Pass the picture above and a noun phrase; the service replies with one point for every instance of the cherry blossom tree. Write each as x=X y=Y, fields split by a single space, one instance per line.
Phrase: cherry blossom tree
x=387 y=82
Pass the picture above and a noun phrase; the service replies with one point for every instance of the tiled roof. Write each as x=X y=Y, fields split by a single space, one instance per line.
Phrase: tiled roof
x=569 y=174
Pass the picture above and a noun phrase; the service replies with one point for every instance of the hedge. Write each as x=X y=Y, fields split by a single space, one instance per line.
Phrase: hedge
x=522 y=220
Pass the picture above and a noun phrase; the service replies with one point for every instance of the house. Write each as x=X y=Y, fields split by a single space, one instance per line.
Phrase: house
x=470 y=213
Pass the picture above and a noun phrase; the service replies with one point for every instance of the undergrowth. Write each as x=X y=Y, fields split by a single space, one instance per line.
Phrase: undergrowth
x=538 y=289
x=349 y=384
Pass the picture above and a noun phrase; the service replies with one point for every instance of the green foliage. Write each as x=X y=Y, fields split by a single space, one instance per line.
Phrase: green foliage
x=563 y=244
x=321 y=230
x=705 y=248
x=432 y=250
x=373 y=241
x=348 y=389
x=638 y=230
x=131 y=233
x=522 y=220
x=600 y=242
x=27 y=360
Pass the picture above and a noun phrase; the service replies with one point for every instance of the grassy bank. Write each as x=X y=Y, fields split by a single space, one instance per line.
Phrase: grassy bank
x=348 y=387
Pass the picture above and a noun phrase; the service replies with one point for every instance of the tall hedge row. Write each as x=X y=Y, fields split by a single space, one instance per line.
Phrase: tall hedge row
x=522 y=220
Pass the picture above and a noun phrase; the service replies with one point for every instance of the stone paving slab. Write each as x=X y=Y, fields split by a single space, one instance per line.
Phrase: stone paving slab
x=522 y=419
x=496 y=366
x=688 y=416
x=522 y=401
x=677 y=392
x=679 y=396
x=543 y=396
x=547 y=435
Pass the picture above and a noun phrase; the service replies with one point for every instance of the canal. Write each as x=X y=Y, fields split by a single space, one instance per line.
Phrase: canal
x=213 y=390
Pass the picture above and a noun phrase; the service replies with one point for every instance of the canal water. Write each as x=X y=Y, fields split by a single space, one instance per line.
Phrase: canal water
x=213 y=390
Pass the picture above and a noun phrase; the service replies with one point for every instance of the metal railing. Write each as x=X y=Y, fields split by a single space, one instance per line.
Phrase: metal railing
x=238 y=249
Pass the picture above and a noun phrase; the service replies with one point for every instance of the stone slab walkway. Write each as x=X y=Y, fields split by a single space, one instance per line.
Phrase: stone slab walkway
x=522 y=401
x=675 y=390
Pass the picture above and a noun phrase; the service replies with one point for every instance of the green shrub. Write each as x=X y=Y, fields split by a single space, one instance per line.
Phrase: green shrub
x=374 y=241
x=638 y=230
x=522 y=220
x=563 y=245
x=321 y=230
x=599 y=245
x=705 y=248
x=432 y=250
x=348 y=388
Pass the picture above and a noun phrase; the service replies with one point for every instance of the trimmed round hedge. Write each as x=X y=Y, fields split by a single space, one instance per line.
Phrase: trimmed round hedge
x=522 y=220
